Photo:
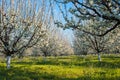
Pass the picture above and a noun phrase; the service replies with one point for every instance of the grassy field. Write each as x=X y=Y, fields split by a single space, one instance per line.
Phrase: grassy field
x=62 y=68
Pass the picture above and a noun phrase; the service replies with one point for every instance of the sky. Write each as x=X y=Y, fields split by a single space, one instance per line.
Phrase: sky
x=68 y=33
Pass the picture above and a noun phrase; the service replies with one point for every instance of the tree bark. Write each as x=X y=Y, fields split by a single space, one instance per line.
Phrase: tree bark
x=8 y=60
x=99 y=57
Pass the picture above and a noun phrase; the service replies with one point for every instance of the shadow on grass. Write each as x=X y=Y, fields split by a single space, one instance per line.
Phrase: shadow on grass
x=93 y=78
x=102 y=64
x=21 y=73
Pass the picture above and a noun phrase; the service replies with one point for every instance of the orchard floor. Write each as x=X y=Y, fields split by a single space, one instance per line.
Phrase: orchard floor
x=62 y=68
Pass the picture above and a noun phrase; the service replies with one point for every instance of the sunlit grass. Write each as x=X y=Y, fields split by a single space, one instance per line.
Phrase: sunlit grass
x=62 y=68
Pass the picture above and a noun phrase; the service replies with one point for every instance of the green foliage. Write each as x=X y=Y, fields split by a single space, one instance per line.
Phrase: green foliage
x=63 y=68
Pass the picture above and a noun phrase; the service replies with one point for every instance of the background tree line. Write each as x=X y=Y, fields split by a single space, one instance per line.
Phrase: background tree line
x=32 y=25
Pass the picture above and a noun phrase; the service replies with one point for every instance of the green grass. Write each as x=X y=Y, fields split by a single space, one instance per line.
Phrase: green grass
x=62 y=68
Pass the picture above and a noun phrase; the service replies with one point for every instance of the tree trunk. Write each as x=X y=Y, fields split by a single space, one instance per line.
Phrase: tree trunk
x=99 y=57
x=8 y=61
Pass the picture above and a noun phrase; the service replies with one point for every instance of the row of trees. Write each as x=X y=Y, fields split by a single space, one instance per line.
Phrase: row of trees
x=28 y=24
x=54 y=43
x=105 y=17
x=85 y=43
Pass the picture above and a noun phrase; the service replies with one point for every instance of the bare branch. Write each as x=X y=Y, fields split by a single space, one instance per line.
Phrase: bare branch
x=107 y=31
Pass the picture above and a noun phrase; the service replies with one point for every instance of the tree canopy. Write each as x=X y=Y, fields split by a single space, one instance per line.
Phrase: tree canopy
x=107 y=11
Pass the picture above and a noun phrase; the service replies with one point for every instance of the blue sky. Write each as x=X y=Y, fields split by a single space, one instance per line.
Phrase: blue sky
x=68 y=33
